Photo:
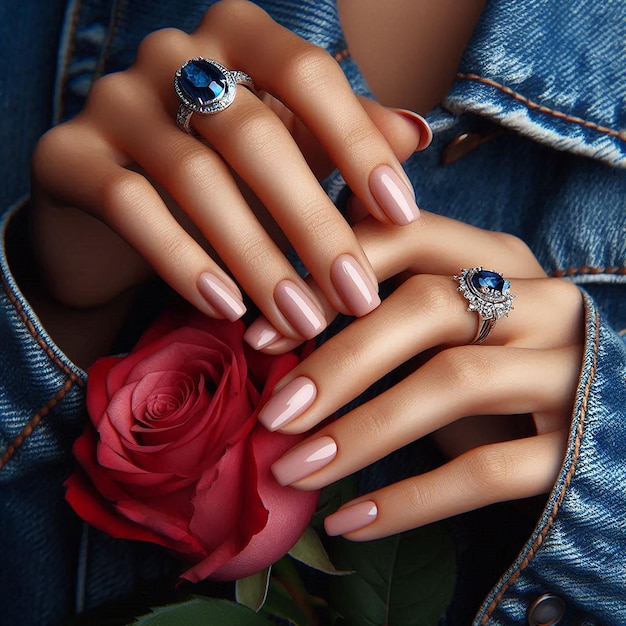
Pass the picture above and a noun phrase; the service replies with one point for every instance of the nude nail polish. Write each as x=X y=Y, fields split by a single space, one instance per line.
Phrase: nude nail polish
x=304 y=460
x=303 y=314
x=220 y=296
x=261 y=334
x=351 y=518
x=426 y=133
x=353 y=285
x=288 y=403
x=393 y=196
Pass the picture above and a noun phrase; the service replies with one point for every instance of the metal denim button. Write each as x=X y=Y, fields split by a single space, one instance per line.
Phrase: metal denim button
x=546 y=610
x=465 y=143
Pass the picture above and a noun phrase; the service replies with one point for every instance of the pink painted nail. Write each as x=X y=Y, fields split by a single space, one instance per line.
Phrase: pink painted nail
x=304 y=460
x=304 y=315
x=354 y=287
x=288 y=403
x=261 y=334
x=426 y=133
x=393 y=196
x=351 y=518
x=220 y=296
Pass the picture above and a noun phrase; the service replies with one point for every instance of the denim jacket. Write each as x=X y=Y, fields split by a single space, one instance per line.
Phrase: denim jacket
x=530 y=140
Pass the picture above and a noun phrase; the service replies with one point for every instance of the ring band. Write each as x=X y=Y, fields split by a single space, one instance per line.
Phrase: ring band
x=205 y=86
x=488 y=294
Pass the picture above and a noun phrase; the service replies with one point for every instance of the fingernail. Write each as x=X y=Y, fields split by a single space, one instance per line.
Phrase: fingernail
x=288 y=403
x=354 y=287
x=351 y=518
x=426 y=133
x=393 y=196
x=221 y=297
x=261 y=334
x=299 y=309
x=304 y=460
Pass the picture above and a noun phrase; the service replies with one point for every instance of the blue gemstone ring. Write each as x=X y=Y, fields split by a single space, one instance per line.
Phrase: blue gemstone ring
x=488 y=294
x=205 y=86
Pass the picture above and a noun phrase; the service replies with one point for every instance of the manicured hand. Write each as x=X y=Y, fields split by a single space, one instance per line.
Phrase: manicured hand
x=528 y=366
x=121 y=190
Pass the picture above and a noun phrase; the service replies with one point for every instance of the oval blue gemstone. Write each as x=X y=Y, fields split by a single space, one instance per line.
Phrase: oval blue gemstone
x=489 y=282
x=202 y=82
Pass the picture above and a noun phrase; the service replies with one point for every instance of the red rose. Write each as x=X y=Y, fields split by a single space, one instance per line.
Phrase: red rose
x=174 y=453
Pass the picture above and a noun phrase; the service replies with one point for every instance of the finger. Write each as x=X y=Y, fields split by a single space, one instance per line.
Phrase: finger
x=133 y=209
x=313 y=86
x=440 y=245
x=202 y=185
x=456 y=383
x=495 y=473
x=255 y=144
x=424 y=312
x=404 y=132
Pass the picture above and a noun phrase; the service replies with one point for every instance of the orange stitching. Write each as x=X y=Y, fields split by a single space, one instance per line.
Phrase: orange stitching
x=543 y=109
x=36 y=336
x=343 y=54
x=587 y=269
x=27 y=431
x=568 y=479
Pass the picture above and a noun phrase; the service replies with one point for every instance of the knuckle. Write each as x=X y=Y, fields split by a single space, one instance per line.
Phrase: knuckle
x=174 y=248
x=418 y=499
x=463 y=367
x=223 y=16
x=319 y=223
x=194 y=167
x=488 y=468
x=438 y=295
x=50 y=149
x=154 y=44
x=225 y=10
x=310 y=66
x=124 y=192
x=514 y=247
x=259 y=129
x=371 y=423
x=358 y=138
x=345 y=356
x=254 y=253
x=111 y=94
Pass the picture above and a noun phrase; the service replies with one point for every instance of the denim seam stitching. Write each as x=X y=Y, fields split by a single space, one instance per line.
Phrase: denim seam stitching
x=341 y=55
x=34 y=421
x=542 y=108
x=589 y=269
x=36 y=336
x=64 y=63
x=106 y=48
x=568 y=479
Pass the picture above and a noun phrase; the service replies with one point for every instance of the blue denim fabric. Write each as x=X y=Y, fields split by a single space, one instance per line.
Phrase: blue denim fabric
x=554 y=71
x=536 y=71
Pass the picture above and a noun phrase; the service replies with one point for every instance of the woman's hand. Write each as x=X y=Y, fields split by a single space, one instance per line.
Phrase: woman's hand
x=529 y=365
x=123 y=166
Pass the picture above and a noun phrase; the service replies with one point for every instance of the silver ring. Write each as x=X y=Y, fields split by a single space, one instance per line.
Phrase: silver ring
x=205 y=86
x=488 y=294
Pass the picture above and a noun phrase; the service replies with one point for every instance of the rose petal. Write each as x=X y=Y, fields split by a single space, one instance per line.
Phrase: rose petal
x=97 y=398
x=290 y=510
x=222 y=523
x=90 y=507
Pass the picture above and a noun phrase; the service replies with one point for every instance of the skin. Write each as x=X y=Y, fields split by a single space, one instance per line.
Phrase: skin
x=131 y=209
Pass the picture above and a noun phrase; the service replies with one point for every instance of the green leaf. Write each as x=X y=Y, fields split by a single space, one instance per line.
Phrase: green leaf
x=252 y=590
x=404 y=580
x=203 y=612
x=310 y=551
x=281 y=604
